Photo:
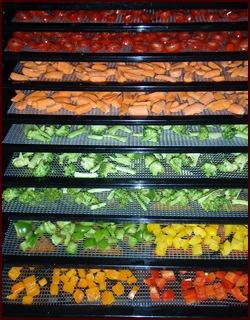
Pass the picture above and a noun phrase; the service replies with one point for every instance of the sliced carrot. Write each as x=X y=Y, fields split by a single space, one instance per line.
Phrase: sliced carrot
x=219 y=78
x=83 y=100
x=119 y=76
x=54 y=108
x=212 y=74
x=214 y=65
x=83 y=108
x=193 y=109
x=18 y=77
x=158 y=106
x=158 y=69
x=18 y=97
x=91 y=96
x=110 y=72
x=200 y=72
x=69 y=107
x=32 y=72
x=123 y=109
x=97 y=79
x=183 y=95
x=194 y=94
x=103 y=106
x=179 y=107
x=244 y=72
x=165 y=78
x=176 y=73
x=167 y=108
x=138 y=110
x=133 y=76
x=175 y=104
x=42 y=104
x=148 y=73
x=99 y=66
x=188 y=77
x=205 y=68
x=218 y=95
x=236 y=109
x=62 y=100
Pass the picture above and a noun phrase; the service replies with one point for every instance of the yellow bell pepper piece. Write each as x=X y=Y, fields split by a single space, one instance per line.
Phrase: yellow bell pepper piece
x=107 y=297
x=188 y=230
x=184 y=244
x=198 y=231
x=93 y=294
x=177 y=227
x=42 y=282
x=152 y=226
x=169 y=231
x=181 y=234
x=226 y=248
x=27 y=300
x=243 y=229
x=197 y=250
x=56 y=278
x=239 y=235
x=214 y=245
x=99 y=277
x=78 y=295
x=236 y=244
x=245 y=243
x=176 y=242
x=71 y=272
x=29 y=280
x=195 y=240
x=211 y=230
x=54 y=289
x=18 y=287
x=68 y=287
x=94 y=270
x=74 y=280
x=92 y=284
x=112 y=274
x=122 y=275
x=207 y=239
x=64 y=278
x=81 y=272
x=161 y=248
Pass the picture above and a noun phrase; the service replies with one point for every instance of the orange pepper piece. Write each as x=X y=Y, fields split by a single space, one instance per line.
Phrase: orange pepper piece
x=18 y=287
x=54 y=289
x=83 y=283
x=27 y=300
x=93 y=294
x=78 y=295
x=118 y=289
x=131 y=279
x=14 y=272
x=29 y=280
x=12 y=296
x=107 y=297
x=68 y=287
x=99 y=277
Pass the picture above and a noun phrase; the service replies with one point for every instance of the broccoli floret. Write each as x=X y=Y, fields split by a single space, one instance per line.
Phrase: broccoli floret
x=185 y=159
x=151 y=133
x=41 y=170
x=214 y=200
x=73 y=191
x=227 y=166
x=176 y=164
x=87 y=198
x=20 y=161
x=166 y=195
x=228 y=132
x=120 y=158
x=11 y=193
x=26 y=196
x=240 y=160
x=179 y=197
x=156 y=167
x=116 y=137
x=209 y=169
x=98 y=129
x=37 y=195
x=50 y=130
x=113 y=129
x=53 y=194
x=38 y=157
x=106 y=168
x=194 y=194
x=88 y=163
x=180 y=129
x=63 y=131
x=203 y=133
x=148 y=159
x=36 y=133
x=194 y=158
x=154 y=195
x=69 y=170
x=71 y=157
x=122 y=195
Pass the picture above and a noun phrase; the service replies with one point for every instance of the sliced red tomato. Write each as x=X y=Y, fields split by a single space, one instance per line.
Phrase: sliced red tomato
x=212 y=16
x=245 y=290
x=237 y=294
x=77 y=36
x=161 y=282
x=137 y=13
x=23 y=16
x=62 y=14
x=69 y=47
x=189 y=296
x=149 y=281
x=237 y=34
x=113 y=47
x=220 y=291
x=233 y=16
x=196 y=44
x=154 y=293
x=189 y=17
x=15 y=44
x=243 y=45
x=201 y=274
x=209 y=289
x=230 y=47
x=210 y=277
x=243 y=13
x=140 y=48
x=111 y=17
x=43 y=46
x=83 y=43
x=32 y=13
x=213 y=45
x=76 y=16
x=45 y=16
x=231 y=276
x=150 y=36
x=164 y=39
x=220 y=274
x=146 y=17
x=242 y=280
x=186 y=284
x=95 y=47
x=217 y=37
x=179 y=17
x=168 y=275
x=126 y=41
x=171 y=48
x=55 y=47
x=164 y=14
x=198 y=12
x=127 y=17
x=201 y=34
x=168 y=295
x=156 y=46
x=94 y=16
x=199 y=281
x=234 y=41
x=200 y=293
x=32 y=44
x=154 y=273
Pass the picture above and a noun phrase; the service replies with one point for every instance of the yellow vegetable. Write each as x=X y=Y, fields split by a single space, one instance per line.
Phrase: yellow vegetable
x=71 y=272
x=212 y=231
x=207 y=239
x=68 y=287
x=245 y=243
x=12 y=296
x=161 y=248
x=197 y=250
x=112 y=274
x=42 y=282
x=81 y=272
x=184 y=243
x=103 y=285
x=78 y=295
x=169 y=231
x=27 y=300
x=93 y=294
x=107 y=297
x=176 y=242
x=226 y=248
x=14 y=272
x=122 y=275
x=198 y=231
x=195 y=240
x=99 y=277
x=236 y=244
x=239 y=235
x=131 y=279
x=214 y=245
x=18 y=287
x=133 y=292
x=54 y=289
x=118 y=289
x=74 y=280
x=32 y=289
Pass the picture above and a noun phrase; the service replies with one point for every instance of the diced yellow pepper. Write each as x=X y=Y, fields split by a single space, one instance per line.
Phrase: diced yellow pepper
x=83 y=283
x=64 y=269
x=184 y=244
x=181 y=234
x=216 y=238
x=78 y=295
x=128 y=272
x=27 y=300
x=42 y=282
x=169 y=240
x=212 y=231
x=177 y=227
x=92 y=284
x=160 y=238
x=103 y=285
x=188 y=230
x=18 y=287
x=195 y=240
x=118 y=289
x=14 y=272
x=64 y=278
x=228 y=229
x=33 y=289
x=176 y=242
x=197 y=250
x=93 y=294
x=81 y=272
x=161 y=248
x=198 y=231
x=131 y=279
x=107 y=297
x=122 y=275
x=239 y=235
x=214 y=245
x=68 y=287
x=94 y=270
x=99 y=277
x=236 y=244
x=12 y=296
x=54 y=289
x=71 y=272
x=245 y=243
x=90 y=276
x=152 y=226
x=170 y=231
x=207 y=239
x=226 y=248
x=243 y=229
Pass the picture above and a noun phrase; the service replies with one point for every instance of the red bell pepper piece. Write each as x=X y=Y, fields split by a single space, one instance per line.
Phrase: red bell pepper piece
x=227 y=284
x=210 y=277
x=220 y=274
x=199 y=281
x=154 y=293
x=200 y=273
x=209 y=291
x=168 y=275
x=186 y=284
x=161 y=282
x=168 y=295
x=245 y=290
x=189 y=296
x=149 y=281
x=201 y=293
x=236 y=292
x=220 y=291
x=154 y=273
x=231 y=276
x=242 y=280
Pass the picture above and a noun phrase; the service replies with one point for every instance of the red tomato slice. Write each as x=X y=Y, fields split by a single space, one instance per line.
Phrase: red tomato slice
x=167 y=274
x=113 y=47
x=76 y=16
x=77 y=36
x=227 y=283
x=200 y=273
x=127 y=17
x=172 y=47
x=111 y=17
x=149 y=281
x=94 y=16
x=164 y=39
x=234 y=16
x=196 y=44
x=83 y=43
x=229 y=47
x=217 y=37
x=62 y=14
x=15 y=44
x=189 y=17
x=95 y=47
x=161 y=282
x=212 y=45
x=189 y=296
x=32 y=44
x=186 y=284
x=32 y=13
x=234 y=41
x=184 y=35
x=243 y=45
x=156 y=46
x=212 y=16
x=126 y=41
x=245 y=290
x=242 y=280
x=168 y=295
x=140 y=48
x=164 y=15
x=55 y=47
x=23 y=16
x=137 y=13
x=43 y=46
x=137 y=39
x=201 y=293
x=200 y=34
x=237 y=34
x=69 y=47
x=45 y=16
x=154 y=293
x=179 y=17
x=237 y=294
x=146 y=17
x=243 y=13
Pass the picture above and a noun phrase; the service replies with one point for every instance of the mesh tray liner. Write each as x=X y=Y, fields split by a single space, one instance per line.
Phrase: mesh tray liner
x=141 y=298
x=167 y=138
x=143 y=172
x=143 y=250
x=67 y=206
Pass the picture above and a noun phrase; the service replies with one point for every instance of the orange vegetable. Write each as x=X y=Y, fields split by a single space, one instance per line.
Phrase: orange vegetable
x=68 y=287
x=92 y=284
x=64 y=278
x=18 y=287
x=112 y=274
x=122 y=275
x=42 y=282
x=27 y=300
x=12 y=296
x=81 y=272
x=54 y=289
x=99 y=277
x=71 y=272
x=93 y=294
x=83 y=283
x=118 y=289
x=107 y=297
x=103 y=285
x=33 y=289
x=29 y=280
x=74 y=280
x=78 y=295
x=14 y=272
x=131 y=279
x=133 y=292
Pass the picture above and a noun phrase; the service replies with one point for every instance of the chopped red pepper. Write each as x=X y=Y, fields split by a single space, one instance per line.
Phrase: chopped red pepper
x=220 y=274
x=189 y=296
x=186 y=284
x=154 y=273
x=199 y=281
x=168 y=275
x=154 y=293
x=168 y=295
x=236 y=292
x=209 y=291
x=210 y=277
x=242 y=280
x=227 y=284
x=200 y=273
x=161 y=282
x=201 y=293
x=231 y=276
x=245 y=290
x=220 y=291
x=149 y=281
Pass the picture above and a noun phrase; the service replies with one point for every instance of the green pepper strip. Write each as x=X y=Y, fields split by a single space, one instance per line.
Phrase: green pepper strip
x=49 y=227
x=22 y=228
x=33 y=240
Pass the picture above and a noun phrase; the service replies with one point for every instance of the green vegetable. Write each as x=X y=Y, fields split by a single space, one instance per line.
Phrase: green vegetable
x=95 y=136
x=103 y=244
x=77 y=236
x=38 y=157
x=107 y=168
x=151 y=133
x=72 y=248
x=11 y=193
x=21 y=161
x=98 y=206
x=69 y=170
x=148 y=159
x=113 y=129
x=240 y=160
x=227 y=166
x=176 y=164
x=56 y=239
x=41 y=170
x=36 y=133
x=89 y=243
x=68 y=229
x=53 y=194
x=63 y=131
x=85 y=175
x=77 y=132
x=179 y=197
x=147 y=236
x=209 y=169
x=132 y=241
x=22 y=228
x=119 y=233
x=26 y=196
x=98 y=129
x=50 y=227
x=116 y=137
x=24 y=245
x=33 y=240
x=203 y=133
x=62 y=224
x=40 y=229
x=156 y=168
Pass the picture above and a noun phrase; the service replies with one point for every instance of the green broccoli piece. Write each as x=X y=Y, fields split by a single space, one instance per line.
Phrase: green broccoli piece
x=154 y=195
x=69 y=170
x=36 y=133
x=180 y=129
x=240 y=160
x=148 y=159
x=227 y=166
x=185 y=159
x=228 y=131
x=209 y=169
x=70 y=157
x=63 y=131
x=72 y=192
x=37 y=195
x=151 y=133
x=194 y=194
x=179 y=197
x=26 y=196
x=120 y=158
x=87 y=198
x=125 y=170
x=122 y=195
x=240 y=201
x=50 y=130
x=113 y=129
x=176 y=164
x=214 y=200
x=203 y=133
x=88 y=163
x=53 y=194
x=166 y=195
x=41 y=170
x=11 y=193
x=38 y=157
x=194 y=158
x=107 y=168
x=77 y=132
x=98 y=129
x=116 y=137
x=156 y=167
x=20 y=161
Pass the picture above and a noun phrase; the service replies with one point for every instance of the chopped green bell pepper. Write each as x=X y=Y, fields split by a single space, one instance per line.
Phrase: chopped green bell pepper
x=40 y=229
x=50 y=227
x=24 y=245
x=56 y=239
x=22 y=228
x=33 y=240
x=89 y=243
x=77 y=236
x=112 y=240
x=82 y=228
x=61 y=224
x=103 y=244
x=68 y=228
x=72 y=248
x=120 y=233
x=132 y=241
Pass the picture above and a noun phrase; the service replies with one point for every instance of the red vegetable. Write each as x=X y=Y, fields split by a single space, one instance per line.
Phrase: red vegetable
x=186 y=284
x=149 y=281
x=242 y=280
x=167 y=274
x=161 y=282
x=15 y=44
x=209 y=291
x=199 y=281
x=236 y=292
x=168 y=295
x=201 y=293
x=154 y=293
x=220 y=291
x=189 y=296
x=154 y=273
